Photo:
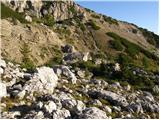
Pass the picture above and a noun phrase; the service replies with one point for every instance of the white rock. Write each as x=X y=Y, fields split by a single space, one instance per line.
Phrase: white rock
x=66 y=72
x=28 y=18
x=81 y=73
x=117 y=67
x=2 y=63
x=21 y=94
x=47 y=74
x=80 y=106
x=39 y=105
x=42 y=82
x=85 y=57
x=108 y=109
x=50 y=106
x=1 y=70
x=3 y=90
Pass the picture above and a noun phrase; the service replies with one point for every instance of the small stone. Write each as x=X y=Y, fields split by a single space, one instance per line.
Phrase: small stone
x=50 y=106
x=107 y=109
x=21 y=94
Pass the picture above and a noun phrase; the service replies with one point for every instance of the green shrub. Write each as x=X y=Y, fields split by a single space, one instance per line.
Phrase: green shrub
x=82 y=26
x=150 y=37
x=95 y=16
x=54 y=61
x=48 y=20
x=134 y=31
x=131 y=48
x=110 y=20
x=116 y=44
x=124 y=59
x=47 y=4
x=6 y=12
x=72 y=9
x=93 y=25
x=145 y=62
x=26 y=61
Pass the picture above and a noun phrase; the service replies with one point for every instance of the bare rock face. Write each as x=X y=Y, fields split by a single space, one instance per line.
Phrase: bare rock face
x=61 y=10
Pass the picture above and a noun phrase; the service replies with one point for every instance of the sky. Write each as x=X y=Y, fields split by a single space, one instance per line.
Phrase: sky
x=142 y=13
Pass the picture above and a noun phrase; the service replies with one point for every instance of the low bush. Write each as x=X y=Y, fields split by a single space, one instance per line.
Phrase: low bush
x=26 y=61
x=110 y=20
x=95 y=16
x=48 y=20
x=93 y=25
x=116 y=45
x=131 y=48
x=150 y=37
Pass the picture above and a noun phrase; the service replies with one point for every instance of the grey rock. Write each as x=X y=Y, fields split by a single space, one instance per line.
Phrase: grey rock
x=61 y=114
x=27 y=76
x=69 y=104
x=135 y=107
x=68 y=49
x=34 y=115
x=93 y=113
x=116 y=84
x=115 y=98
x=66 y=72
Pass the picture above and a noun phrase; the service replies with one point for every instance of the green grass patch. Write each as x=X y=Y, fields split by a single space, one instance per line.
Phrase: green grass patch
x=116 y=44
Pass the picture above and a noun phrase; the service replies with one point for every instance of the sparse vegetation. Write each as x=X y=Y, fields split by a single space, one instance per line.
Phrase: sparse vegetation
x=110 y=20
x=131 y=48
x=150 y=37
x=72 y=10
x=93 y=25
x=26 y=61
x=7 y=12
x=48 y=20
x=95 y=16
x=116 y=44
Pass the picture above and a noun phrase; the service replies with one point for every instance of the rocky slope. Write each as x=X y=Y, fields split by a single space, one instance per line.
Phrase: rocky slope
x=64 y=92
x=60 y=60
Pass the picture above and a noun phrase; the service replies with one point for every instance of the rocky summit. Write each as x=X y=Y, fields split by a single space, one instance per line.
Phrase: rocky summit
x=63 y=61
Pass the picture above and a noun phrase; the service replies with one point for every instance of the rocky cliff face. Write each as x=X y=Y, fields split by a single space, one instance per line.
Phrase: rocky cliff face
x=61 y=10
